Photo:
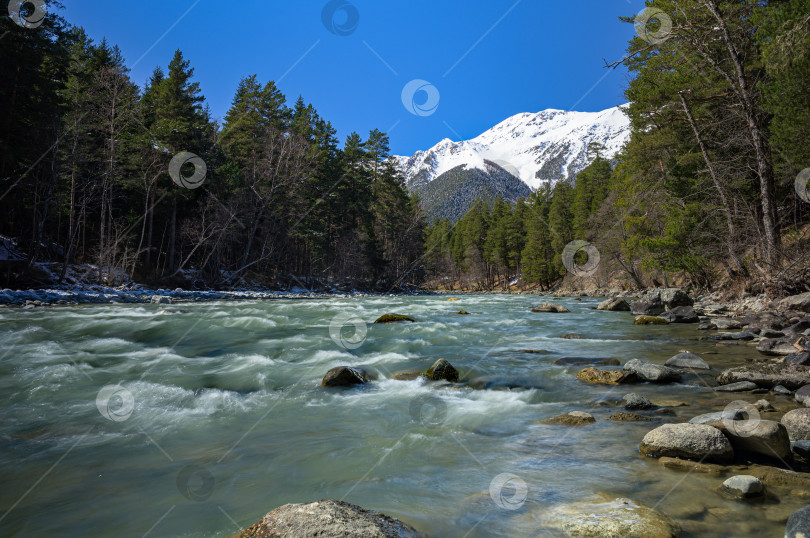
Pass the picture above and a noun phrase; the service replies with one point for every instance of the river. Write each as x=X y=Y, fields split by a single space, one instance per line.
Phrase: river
x=194 y=419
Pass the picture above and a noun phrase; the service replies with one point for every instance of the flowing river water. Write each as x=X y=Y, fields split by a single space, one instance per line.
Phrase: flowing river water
x=215 y=416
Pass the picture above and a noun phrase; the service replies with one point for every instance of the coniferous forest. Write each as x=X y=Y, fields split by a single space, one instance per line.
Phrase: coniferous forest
x=87 y=157
x=709 y=190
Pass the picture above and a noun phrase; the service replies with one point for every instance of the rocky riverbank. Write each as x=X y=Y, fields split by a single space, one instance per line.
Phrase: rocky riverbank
x=758 y=452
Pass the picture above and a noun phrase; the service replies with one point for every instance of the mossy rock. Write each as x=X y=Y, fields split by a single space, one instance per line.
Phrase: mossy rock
x=463 y=313
x=452 y=299
x=574 y=418
x=623 y=416
x=650 y=320
x=606 y=377
x=393 y=318
x=442 y=370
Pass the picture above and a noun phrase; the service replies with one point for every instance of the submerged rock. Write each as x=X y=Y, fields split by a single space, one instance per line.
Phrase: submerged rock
x=328 y=519
x=393 y=318
x=572 y=336
x=344 y=376
x=550 y=307
x=407 y=375
x=743 y=487
x=654 y=373
x=623 y=416
x=574 y=418
x=687 y=359
x=690 y=441
x=579 y=361
x=677 y=464
x=463 y=313
x=606 y=377
x=620 y=518
x=442 y=370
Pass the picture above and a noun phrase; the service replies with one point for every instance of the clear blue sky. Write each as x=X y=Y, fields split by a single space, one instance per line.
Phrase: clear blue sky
x=530 y=55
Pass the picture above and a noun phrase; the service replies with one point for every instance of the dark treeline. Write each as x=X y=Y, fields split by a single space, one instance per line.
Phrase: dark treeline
x=706 y=189
x=85 y=158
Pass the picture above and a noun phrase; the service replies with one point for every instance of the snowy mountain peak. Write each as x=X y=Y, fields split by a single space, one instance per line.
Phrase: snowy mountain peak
x=538 y=148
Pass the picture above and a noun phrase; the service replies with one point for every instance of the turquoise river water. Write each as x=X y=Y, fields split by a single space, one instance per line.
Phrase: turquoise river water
x=196 y=419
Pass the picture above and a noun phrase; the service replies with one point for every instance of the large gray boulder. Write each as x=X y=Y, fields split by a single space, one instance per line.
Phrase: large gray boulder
x=763 y=437
x=681 y=314
x=699 y=442
x=328 y=519
x=797 y=424
x=687 y=359
x=673 y=297
x=782 y=346
x=654 y=373
x=767 y=374
x=766 y=320
x=800 y=303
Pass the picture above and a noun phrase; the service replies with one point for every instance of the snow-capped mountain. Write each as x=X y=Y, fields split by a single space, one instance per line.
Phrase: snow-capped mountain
x=548 y=146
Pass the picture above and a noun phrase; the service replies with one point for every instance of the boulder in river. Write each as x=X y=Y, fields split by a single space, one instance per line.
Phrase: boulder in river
x=730 y=413
x=743 y=487
x=614 y=519
x=740 y=386
x=803 y=395
x=606 y=377
x=797 y=423
x=654 y=373
x=328 y=519
x=442 y=370
x=763 y=437
x=798 y=524
x=574 y=418
x=161 y=299
x=463 y=313
x=681 y=314
x=687 y=359
x=768 y=374
x=650 y=320
x=393 y=318
x=344 y=376
x=633 y=402
x=550 y=307
x=687 y=441
x=614 y=305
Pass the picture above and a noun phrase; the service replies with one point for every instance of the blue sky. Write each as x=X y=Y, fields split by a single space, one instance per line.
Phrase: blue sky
x=485 y=60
